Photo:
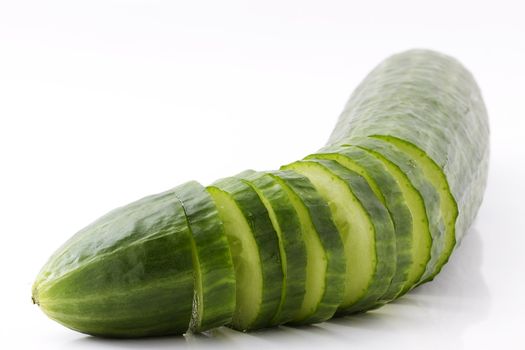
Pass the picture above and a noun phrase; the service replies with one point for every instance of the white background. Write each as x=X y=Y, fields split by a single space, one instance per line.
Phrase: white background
x=103 y=102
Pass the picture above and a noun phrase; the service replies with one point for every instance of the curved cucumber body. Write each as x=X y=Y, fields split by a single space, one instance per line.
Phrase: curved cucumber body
x=375 y=213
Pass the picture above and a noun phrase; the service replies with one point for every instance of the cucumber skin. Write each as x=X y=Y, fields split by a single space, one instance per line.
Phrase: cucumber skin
x=294 y=249
x=431 y=101
x=128 y=274
x=211 y=257
x=330 y=239
x=266 y=239
x=394 y=201
x=383 y=231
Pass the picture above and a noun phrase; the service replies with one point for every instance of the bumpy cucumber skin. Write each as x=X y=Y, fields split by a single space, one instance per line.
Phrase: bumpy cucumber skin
x=384 y=236
x=430 y=100
x=212 y=259
x=330 y=240
x=429 y=194
x=266 y=239
x=370 y=167
x=129 y=274
x=293 y=251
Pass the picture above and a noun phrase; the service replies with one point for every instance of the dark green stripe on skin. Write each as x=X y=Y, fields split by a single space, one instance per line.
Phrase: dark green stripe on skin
x=374 y=171
x=293 y=251
x=256 y=216
x=211 y=257
x=330 y=239
x=129 y=274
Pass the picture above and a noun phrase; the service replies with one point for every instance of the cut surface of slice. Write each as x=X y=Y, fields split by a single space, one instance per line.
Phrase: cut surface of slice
x=214 y=275
x=255 y=251
x=366 y=229
x=325 y=260
x=291 y=246
x=95 y=285
x=428 y=192
x=377 y=175
x=448 y=206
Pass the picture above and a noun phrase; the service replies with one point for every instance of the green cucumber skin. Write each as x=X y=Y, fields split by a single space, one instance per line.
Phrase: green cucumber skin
x=330 y=239
x=384 y=233
x=430 y=196
x=394 y=201
x=268 y=248
x=212 y=258
x=430 y=100
x=293 y=250
x=129 y=274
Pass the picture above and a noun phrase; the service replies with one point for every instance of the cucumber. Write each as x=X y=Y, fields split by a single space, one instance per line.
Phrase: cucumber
x=431 y=101
x=292 y=249
x=325 y=259
x=390 y=192
x=128 y=274
x=214 y=297
x=407 y=163
x=255 y=251
x=428 y=192
x=366 y=230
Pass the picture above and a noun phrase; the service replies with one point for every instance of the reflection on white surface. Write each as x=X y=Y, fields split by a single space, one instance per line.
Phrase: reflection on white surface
x=434 y=315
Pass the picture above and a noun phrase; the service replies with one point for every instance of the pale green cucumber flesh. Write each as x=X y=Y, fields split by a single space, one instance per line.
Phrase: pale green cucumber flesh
x=291 y=246
x=214 y=296
x=255 y=251
x=375 y=172
x=129 y=274
x=325 y=265
x=366 y=230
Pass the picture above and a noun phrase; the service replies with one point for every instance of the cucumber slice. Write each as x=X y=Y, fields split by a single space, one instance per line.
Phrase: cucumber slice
x=365 y=226
x=291 y=246
x=377 y=175
x=448 y=206
x=430 y=100
x=214 y=297
x=255 y=251
x=325 y=259
x=428 y=193
x=128 y=274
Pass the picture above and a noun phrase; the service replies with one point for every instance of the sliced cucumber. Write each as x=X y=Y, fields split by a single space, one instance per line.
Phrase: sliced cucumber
x=325 y=265
x=214 y=291
x=255 y=251
x=366 y=230
x=128 y=274
x=448 y=207
x=291 y=246
x=428 y=193
x=377 y=175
